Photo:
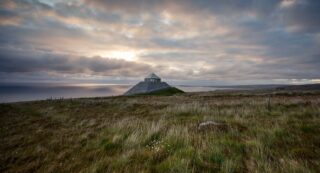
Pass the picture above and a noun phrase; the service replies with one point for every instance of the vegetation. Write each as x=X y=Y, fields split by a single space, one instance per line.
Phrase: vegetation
x=165 y=92
x=265 y=131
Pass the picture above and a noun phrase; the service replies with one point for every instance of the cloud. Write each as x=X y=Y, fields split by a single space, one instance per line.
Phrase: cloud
x=179 y=39
x=15 y=61
x=302 y=16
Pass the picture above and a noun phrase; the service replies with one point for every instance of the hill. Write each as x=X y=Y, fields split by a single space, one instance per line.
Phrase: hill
x=225 y=131
x=164 y=92
x=300 y=87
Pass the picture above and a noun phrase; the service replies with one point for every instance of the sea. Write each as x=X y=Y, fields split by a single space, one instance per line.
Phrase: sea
x=30 y=92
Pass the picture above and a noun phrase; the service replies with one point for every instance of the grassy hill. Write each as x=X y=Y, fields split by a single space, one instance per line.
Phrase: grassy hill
x=263 y=131
x=165 y=92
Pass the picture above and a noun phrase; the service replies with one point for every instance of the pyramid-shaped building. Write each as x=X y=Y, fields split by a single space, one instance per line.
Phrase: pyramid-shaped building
x=150 y=84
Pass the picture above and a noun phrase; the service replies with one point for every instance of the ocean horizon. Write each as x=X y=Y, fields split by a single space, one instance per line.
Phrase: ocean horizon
x=32 y=92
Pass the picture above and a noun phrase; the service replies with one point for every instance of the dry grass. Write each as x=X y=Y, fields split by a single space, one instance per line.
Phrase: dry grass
x=266 y=132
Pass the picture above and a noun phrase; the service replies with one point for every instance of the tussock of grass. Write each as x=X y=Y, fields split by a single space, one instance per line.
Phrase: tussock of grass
x=264 y=132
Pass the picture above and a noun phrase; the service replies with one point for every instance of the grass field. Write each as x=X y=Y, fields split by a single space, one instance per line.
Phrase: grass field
x=263 y=131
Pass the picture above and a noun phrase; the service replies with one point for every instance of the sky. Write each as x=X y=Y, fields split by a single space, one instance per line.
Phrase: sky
x=196 y=42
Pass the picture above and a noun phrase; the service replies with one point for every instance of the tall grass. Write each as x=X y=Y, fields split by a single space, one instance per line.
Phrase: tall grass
x=264 y=132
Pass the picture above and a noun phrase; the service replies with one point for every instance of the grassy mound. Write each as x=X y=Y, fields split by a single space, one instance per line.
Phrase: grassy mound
x=165 y=92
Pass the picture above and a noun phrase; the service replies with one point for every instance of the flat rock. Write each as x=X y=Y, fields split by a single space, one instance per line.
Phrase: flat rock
x=213 y=125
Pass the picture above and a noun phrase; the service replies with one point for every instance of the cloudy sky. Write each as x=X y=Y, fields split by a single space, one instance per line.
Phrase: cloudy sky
x=184 y=41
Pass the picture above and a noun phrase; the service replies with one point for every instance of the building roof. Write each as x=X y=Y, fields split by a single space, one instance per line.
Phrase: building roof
x=153 y=76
